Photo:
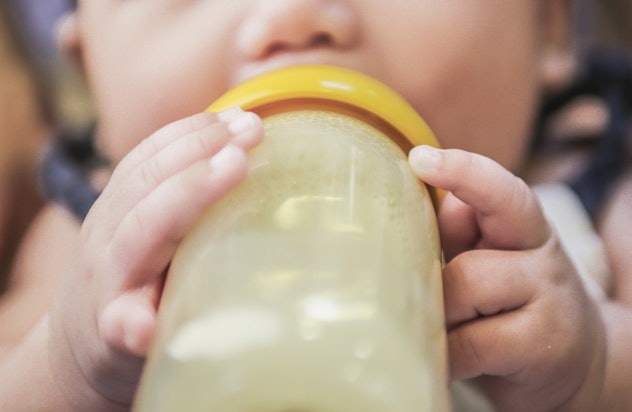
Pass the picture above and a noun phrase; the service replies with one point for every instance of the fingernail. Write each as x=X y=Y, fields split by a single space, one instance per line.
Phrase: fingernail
x=243 y=123
x=230 y=114
x=238 y=120
x=425 y=159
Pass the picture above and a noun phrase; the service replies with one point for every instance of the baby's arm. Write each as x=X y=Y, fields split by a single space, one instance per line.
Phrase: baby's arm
x=87 y=354
x=517 y=314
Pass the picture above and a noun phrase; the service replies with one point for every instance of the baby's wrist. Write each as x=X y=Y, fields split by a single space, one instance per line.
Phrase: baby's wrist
x=73 y=386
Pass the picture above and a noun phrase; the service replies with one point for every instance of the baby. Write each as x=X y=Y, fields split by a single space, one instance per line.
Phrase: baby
x=518 y=315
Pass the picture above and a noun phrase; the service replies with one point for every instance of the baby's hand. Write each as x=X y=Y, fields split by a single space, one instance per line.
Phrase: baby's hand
x=516 y=311
x=105 y=316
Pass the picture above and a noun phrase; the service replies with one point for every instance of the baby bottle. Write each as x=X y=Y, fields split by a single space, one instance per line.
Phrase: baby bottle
x=315 y=286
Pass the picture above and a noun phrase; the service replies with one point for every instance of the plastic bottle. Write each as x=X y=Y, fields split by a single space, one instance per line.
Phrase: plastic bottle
x=316 y=285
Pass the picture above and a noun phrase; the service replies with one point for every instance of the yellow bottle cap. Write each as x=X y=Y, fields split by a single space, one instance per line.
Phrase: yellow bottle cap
x=335 y=89
x=325 y=87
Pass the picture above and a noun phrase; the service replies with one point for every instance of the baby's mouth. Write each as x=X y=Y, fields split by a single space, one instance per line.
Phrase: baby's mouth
x=285 y=59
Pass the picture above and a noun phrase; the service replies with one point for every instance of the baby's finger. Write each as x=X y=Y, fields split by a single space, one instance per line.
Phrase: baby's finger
x=458 y=226
x=167 y=134
x=245 y=131
x=129 y=322
x=491 y=346
x=145 y=241
x=508 y=212
x=485 y=283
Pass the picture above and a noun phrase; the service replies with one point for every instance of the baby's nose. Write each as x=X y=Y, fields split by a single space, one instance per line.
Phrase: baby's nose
x=292 y=25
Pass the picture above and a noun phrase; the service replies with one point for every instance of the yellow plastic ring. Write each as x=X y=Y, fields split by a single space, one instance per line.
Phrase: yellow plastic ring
x=324 y=83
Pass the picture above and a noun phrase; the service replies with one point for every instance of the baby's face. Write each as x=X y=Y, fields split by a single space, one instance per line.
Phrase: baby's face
x=470 y=68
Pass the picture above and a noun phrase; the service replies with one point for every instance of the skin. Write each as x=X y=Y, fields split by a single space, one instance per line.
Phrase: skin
x=517 y=314
x=239 y=40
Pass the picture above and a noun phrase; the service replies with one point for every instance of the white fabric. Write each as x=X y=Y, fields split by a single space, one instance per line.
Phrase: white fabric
x=577 y=235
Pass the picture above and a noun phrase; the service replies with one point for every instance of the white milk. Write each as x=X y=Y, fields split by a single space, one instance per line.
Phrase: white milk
x=314 y=287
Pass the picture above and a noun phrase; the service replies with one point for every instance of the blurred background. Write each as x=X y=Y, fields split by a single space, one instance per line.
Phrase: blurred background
x=613 y=23
x=39 y=95
x=32 y=25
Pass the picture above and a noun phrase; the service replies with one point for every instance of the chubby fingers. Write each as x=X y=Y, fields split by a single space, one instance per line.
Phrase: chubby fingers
x=128 y=322
x=148 y=235
x=152 y=204
x=484 y=291
x=507 y=212
x=485 y=283
x=154 y=196
x=522 y=315
x=144 y=242
x=493 y=346
x=200 y=128
x=174 y=148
